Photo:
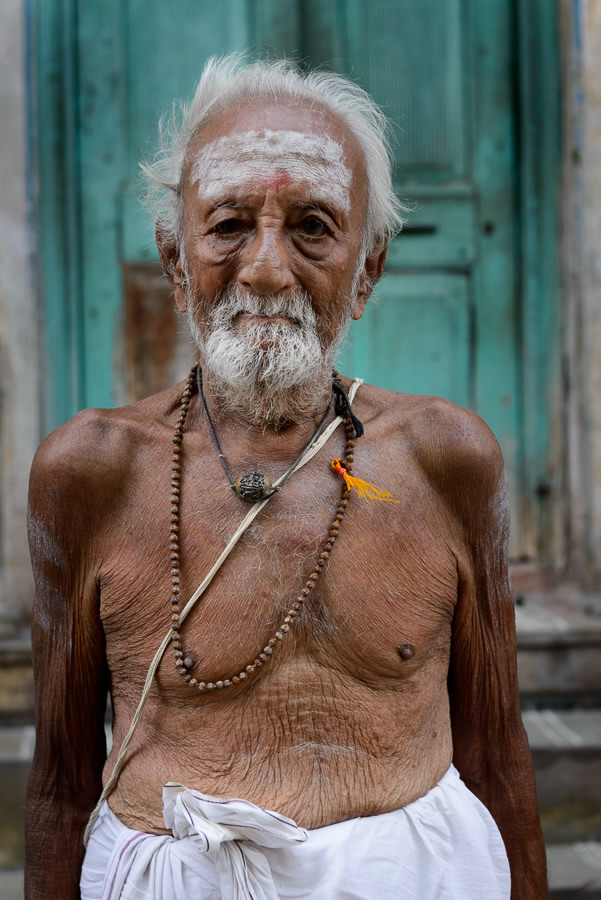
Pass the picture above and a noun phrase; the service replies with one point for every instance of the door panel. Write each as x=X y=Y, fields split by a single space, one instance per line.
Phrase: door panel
x=441 y=231
x=411 y=57
x=415 y=336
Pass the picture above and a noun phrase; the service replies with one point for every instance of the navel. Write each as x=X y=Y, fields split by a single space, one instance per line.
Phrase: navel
x=406 y=652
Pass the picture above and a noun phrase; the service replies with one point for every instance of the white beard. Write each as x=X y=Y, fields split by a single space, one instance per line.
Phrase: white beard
x=271 y=373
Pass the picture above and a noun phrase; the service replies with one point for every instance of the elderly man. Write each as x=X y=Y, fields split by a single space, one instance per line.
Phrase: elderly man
x=337 y=715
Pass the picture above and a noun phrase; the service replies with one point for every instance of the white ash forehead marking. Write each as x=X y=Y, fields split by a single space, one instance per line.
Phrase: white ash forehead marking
x=232 y=162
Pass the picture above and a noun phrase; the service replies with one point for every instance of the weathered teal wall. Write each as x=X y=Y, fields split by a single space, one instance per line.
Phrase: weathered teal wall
x=578 y=521
x=19 y=373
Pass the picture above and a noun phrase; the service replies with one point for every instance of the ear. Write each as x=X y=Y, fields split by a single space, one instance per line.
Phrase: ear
x=172 y=265
x=368 y=279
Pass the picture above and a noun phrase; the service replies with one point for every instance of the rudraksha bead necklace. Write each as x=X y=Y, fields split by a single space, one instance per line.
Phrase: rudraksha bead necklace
x=253 y=486
x=182 y=662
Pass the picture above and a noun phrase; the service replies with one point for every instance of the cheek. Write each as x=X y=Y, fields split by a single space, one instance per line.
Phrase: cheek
x=210 y=251
x=332 y=312
x=205 y=286
x=330 y=286
x=210 y=268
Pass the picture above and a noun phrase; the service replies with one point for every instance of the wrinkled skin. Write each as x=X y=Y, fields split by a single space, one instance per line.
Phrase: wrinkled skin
x=405 y=657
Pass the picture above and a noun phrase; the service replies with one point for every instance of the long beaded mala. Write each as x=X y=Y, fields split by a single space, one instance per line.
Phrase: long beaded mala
x=181 y=663
x=342 y=467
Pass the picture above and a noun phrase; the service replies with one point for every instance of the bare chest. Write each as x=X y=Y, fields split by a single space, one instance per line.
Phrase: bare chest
x=379 y=610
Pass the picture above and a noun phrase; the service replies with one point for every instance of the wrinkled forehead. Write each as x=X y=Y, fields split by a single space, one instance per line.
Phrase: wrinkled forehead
x=315 y=162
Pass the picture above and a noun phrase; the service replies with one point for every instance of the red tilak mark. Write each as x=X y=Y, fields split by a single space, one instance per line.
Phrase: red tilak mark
x=280 y=181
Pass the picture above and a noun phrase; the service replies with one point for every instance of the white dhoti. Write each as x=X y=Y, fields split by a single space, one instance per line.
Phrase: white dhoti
x=444 y=846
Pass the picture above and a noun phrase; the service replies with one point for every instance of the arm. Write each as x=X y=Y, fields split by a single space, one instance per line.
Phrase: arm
x=71 y=679
x=490 y=747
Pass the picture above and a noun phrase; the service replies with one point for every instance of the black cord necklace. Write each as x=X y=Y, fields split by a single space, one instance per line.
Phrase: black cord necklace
x=253 y=486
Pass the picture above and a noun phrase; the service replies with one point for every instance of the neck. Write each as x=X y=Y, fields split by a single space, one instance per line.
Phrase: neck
x=277 y=428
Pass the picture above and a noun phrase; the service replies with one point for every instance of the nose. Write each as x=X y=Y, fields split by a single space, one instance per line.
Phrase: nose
x=266 y=265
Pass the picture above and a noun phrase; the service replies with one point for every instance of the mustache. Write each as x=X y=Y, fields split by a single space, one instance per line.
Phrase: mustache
x=234 y=301
x=270 y=372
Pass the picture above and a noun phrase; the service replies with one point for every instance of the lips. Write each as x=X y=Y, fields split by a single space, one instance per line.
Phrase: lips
x=264 y=318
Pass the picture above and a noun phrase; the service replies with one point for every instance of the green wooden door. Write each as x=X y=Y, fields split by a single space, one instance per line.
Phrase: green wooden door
x=445 y=319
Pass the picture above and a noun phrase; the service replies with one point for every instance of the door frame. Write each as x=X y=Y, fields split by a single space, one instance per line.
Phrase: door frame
x=58 y=154
x=540 y=160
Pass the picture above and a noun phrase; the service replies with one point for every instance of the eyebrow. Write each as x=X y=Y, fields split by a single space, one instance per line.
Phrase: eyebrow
x=315 y=205
x=318 y=206
x=231 y=204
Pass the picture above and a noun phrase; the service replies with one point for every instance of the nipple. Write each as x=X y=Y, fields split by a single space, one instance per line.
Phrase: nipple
x=190 y=660
x=406 y=651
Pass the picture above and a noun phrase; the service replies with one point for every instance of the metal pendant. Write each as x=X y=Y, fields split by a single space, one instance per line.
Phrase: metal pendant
x=253 y=487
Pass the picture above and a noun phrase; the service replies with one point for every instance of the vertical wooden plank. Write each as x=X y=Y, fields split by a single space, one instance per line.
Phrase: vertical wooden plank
x=497 y=386
x=414 y=336
x=58 y=209
x=277 y=27
x=354 y=21
x=540 y=159
x=240 y=23
x=324 y=29
x=389 y=43
x=401 y=40
x=99 y=104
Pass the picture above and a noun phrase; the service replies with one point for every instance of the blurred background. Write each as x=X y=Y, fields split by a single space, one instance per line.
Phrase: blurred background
x=492 y=294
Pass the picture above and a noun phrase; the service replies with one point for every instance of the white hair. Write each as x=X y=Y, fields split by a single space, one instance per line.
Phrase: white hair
x=272 y=373
x=232 y=80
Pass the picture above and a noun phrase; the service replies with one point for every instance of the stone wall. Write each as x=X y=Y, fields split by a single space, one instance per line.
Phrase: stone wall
x=19 y=325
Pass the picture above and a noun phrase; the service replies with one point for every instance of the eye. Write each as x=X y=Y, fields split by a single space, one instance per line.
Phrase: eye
x=227 y=227
x=313 y=227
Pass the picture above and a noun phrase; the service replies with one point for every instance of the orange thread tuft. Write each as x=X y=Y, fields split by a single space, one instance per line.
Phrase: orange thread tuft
x=365 y=490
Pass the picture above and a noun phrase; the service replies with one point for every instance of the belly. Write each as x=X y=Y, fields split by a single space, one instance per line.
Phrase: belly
x=339 y=723
x=310 y=742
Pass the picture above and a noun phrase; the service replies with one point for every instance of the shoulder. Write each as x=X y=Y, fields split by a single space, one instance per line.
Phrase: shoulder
x=90 y=457
x=74 y=447
x=96 y=441
x=452 y=445
x=85 y=450
x=73 y=476
x=452 y=441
